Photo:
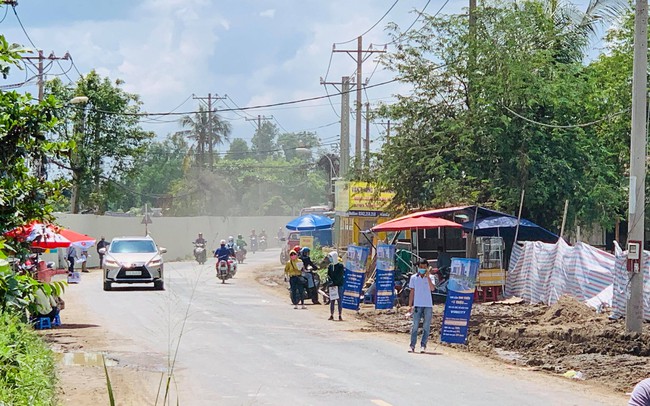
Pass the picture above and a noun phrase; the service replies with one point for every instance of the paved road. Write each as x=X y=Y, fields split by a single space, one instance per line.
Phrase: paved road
x=243 y=344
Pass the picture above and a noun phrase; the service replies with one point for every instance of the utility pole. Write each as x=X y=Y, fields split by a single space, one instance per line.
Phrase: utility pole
x=259 y=120
x=360 y=57
x=636 y=226
x=210 y=142
x=344 y=90
x=367 y=135
x=37 y=62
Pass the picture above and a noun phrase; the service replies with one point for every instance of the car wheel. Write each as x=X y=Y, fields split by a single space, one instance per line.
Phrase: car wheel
x=107 y=286
x=158 y=284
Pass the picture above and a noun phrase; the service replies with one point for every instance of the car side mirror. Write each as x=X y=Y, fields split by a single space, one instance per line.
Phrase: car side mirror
x=102 y=251
x=162 y=250
x=283 y=239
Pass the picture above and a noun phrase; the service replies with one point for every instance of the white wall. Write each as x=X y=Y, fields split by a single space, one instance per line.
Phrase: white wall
x=174 y=233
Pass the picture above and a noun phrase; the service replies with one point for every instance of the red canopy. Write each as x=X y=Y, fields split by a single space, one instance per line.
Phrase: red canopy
x=48 y=236
x=409 y=222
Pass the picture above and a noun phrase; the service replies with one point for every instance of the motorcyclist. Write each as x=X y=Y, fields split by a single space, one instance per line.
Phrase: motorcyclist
x=309 y=267
x=200 y=240
x=240 y=244
x=231 y=245
x=263 y=234
x=223 y=252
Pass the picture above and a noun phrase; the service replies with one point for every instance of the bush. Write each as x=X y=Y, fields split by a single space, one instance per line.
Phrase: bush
x=27 y=374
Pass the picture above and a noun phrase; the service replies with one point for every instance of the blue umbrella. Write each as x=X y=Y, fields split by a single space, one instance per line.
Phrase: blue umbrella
x=310 y=222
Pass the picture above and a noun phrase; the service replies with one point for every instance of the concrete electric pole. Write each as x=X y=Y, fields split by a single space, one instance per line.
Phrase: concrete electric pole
x=344 y=160
x=638 y=162
x=359 y=56
x=209 y=141
x=37 y=62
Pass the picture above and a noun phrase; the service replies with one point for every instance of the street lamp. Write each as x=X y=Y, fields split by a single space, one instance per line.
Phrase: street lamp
x=332 y=171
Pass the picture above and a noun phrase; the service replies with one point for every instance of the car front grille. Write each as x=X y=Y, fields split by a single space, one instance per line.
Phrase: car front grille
x=136 y=272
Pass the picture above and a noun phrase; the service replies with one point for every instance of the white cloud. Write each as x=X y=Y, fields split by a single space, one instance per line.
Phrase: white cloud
x=270 y=13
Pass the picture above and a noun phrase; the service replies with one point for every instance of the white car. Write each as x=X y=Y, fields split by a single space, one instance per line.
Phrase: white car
x=133 y=260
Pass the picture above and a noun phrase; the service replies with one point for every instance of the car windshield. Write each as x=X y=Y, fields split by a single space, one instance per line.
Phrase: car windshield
x=132 y=246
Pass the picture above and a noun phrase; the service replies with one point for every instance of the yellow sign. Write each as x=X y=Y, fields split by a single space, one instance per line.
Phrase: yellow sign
x=307 y=241
x=364 y=196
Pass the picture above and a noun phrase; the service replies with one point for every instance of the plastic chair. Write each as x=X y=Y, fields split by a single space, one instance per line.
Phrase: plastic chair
x=43 y=323
x=57 y=321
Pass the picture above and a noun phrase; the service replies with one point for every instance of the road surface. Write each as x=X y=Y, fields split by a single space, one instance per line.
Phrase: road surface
x=242 y=343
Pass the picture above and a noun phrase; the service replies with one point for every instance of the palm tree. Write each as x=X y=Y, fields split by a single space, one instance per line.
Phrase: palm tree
x=207 y=129
x=577 y=28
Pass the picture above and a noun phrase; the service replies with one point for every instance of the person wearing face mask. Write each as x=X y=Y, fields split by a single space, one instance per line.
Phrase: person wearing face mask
x=336 y=274
x=421 y=304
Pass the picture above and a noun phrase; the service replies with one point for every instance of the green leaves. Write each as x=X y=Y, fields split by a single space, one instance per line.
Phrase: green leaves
x=456 y=139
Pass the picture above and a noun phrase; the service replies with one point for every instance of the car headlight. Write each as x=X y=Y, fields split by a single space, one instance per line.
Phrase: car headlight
x=110 y=262
x=155 y=262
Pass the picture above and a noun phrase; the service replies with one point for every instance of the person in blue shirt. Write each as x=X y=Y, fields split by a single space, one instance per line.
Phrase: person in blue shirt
x=222 y=253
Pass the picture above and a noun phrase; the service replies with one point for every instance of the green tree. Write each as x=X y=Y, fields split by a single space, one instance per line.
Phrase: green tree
x=263 y=142
x=106 y=137
x=446 y=153
x=25 y=191
x=207 y=130
x=238 y=149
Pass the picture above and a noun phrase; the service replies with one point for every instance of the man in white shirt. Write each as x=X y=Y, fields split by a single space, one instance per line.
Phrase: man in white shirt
x=421 y=304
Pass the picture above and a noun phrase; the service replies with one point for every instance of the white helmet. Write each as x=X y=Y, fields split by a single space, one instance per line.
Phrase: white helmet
x=222 y=242
x=231 y=238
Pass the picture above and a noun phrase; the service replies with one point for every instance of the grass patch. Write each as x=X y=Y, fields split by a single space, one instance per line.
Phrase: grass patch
x=27 y=368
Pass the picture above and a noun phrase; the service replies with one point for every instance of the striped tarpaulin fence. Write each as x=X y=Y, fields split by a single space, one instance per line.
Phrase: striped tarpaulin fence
x=542 y=273
x=621 y=289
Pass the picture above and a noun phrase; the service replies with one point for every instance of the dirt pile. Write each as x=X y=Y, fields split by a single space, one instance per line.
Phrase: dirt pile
x=566 y=336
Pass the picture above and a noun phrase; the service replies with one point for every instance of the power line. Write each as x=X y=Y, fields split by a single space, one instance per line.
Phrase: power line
x=514 y=113
x=23 y=27
x=262 y=106
x=373 y=26
x=420 y=13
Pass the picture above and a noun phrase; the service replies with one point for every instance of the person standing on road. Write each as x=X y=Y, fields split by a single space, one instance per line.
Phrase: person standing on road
x=641 y=394
x=336 y=275
x=421 y=287
x=72 y=257
x=101 y=244
x=293 y=270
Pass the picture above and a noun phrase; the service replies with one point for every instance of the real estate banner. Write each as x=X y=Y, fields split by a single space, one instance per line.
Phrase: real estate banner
x=460 y=297
x=385 y=277
x=355 y=274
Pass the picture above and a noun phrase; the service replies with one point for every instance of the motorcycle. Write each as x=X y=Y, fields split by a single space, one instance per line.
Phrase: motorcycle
x=439 y=295
x=312 y=279
x=200 y=253
x=253 y=244
x=240 y=255
x=263 y=244
x=226 y=269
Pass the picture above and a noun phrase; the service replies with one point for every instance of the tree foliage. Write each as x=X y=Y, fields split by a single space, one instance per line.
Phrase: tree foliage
x=106 y=138
x=493 y=112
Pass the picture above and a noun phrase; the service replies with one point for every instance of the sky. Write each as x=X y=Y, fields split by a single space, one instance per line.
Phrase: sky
x=255 y=52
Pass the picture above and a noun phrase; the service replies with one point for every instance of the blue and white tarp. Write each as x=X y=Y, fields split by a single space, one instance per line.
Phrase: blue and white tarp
x=621 y=287
x=385 y=277
x=542 y=273
x=460 y=297
x=355 y=274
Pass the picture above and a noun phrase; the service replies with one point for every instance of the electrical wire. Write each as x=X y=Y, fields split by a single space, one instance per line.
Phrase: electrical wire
x=420 y=13
x=23 y=27
x=75 y=67
x=4 y=16
x=514 y=113
x=257 y=107
x=371 y=28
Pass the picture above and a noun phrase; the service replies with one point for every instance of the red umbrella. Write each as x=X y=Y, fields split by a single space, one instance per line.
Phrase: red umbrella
x=48 y=236
x=409 y=222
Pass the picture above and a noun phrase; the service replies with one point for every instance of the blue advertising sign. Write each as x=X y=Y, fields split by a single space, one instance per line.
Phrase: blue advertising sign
x=385 y=277
x=460 y=297
x=355 y=275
